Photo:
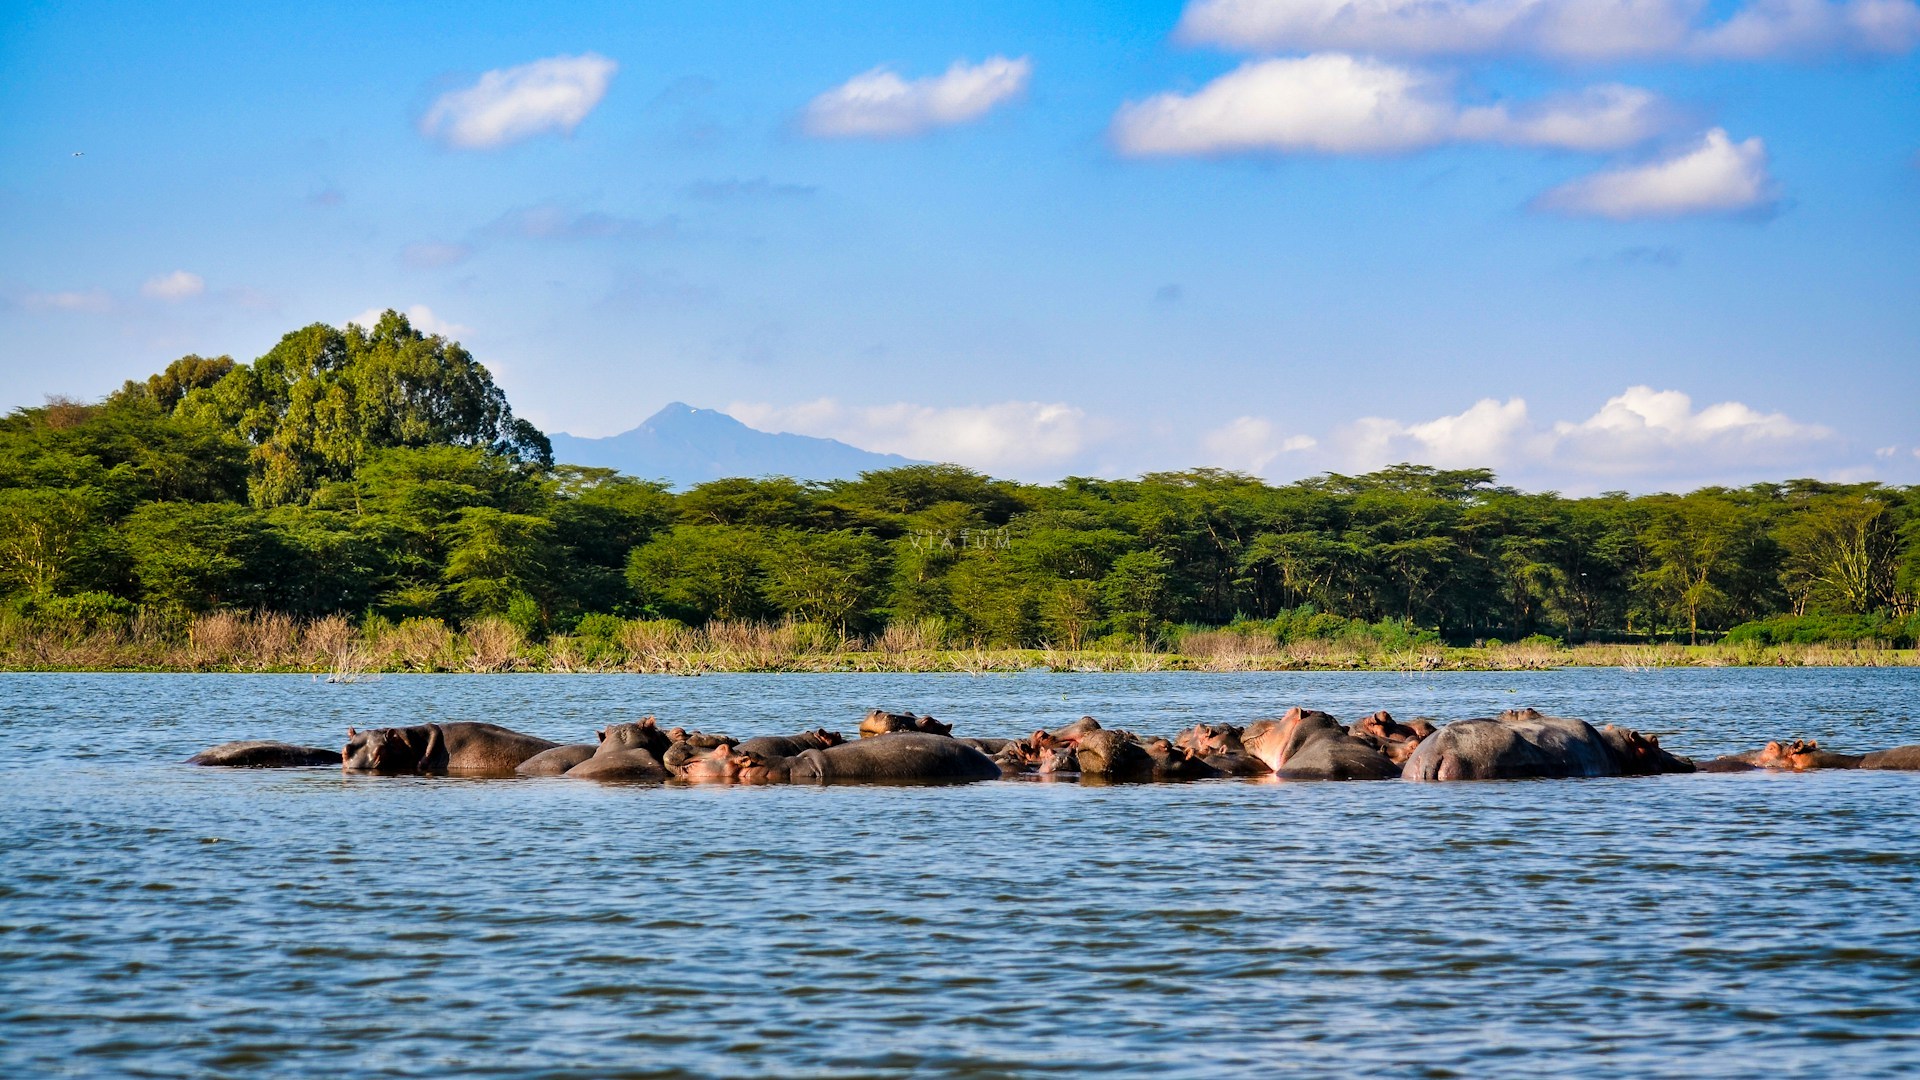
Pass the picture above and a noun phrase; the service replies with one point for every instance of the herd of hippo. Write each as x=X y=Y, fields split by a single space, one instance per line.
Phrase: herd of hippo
x=1305 y=744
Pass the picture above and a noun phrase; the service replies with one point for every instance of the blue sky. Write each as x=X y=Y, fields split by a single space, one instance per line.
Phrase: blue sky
x=1590 y=243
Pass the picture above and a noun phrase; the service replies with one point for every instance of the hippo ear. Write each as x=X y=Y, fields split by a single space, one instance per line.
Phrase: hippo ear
x=600 y=735
x=350 y=732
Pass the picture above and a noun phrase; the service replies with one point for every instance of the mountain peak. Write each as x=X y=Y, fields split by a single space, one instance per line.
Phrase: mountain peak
x=685 y=445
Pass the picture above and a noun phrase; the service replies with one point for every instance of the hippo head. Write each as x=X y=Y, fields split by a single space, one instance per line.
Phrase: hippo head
x=1076 y=729
x=1392 y=738
x=1054 y=760
x=931 y=726
x=382 y=750
x=882 y=722
x=755 y=768
x=720 y=764
x=824 y=737
x=1205 y=739
x=1640 y=755
x=643 y=735
x=1797 y=755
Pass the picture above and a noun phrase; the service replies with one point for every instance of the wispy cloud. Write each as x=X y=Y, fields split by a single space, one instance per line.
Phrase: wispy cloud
x=1566 y=29
x=1019 y=437
x=553 y=221
x=92 y=301
x=736 y=190
x=179 y=285
x=1717 y=176
x=510 y=104
x=432 y=254
x=1332 y=103
x=881 y=104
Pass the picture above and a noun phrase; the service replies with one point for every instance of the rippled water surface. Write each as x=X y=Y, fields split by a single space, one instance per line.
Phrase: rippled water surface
x=162 y=920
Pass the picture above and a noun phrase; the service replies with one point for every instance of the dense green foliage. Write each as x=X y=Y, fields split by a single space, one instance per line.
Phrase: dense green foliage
x=381 y=473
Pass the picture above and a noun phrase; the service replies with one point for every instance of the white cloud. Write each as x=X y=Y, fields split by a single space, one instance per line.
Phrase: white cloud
x=510 y=104
x=1570 y=29
x=87 y=300
x=179 y=285
x=1338 y=104
x=1718 y=176
x=1641 y=432
x=1017 y=436
x=1251 y=443
x=880 y=104
x=422 y=318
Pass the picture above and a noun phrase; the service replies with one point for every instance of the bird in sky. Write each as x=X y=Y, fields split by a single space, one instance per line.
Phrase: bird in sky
x=79 y=153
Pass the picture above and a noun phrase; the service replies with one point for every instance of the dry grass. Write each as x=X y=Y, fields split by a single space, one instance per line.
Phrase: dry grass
x=242 y=641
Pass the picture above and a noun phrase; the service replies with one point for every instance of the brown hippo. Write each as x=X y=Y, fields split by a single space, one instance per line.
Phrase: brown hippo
x=896 y=757
x=723 y=764
x=1900 y=757
x=1802 y=755
x=701 y=739
x=432 y=749
x=256 y=754
x=776 y=746
x=1241 y=764
x=625 y=753
x=1059 y=760
x=882 y=722
x=1307 y=744
x=1073 y=731
x=556 y=761
x=1211 y=739
x=685 y=752
x=1172 y=762
x=1390 y=737
x=1641 y=755
x=1522 y=744
x=1112 y=755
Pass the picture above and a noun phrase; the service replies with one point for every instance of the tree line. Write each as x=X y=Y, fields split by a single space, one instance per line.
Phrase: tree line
x=379 y=473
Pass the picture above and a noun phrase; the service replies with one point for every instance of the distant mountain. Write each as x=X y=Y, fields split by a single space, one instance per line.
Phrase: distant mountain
x=689 y=446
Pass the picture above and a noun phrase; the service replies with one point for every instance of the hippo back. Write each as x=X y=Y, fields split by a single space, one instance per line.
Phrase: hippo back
x=557 y=760
x=895 y=757
x=1900 y=757
x=1515 y=745
x=256 y=754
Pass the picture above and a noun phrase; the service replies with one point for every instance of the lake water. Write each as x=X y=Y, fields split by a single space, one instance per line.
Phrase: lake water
x=162 y=920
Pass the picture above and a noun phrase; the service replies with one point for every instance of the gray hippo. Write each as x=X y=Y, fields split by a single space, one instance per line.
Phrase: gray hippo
x=556 y=761
x=773 y=746
x=896 y=757
x=433 y=749
x=1523 y=744
x=625 y=753
x=1900 y=757
x=1307 y=744
x=256 y=754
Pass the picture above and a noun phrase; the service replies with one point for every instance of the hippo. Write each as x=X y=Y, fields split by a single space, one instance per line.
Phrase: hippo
x=882 y=722
x=1390 y=737
x=1522 y=744
x=557 y=760
x=989 y=747
x=774 y=746
x=1307 y=744
x=1800 y=755
x=257 y=754
x=1900 y=757
x=701 y=739
x=1113 y=755
x=625 y=753
x=434 y=749
x=1172 y=762
x=1076 y=729
x=895 y=757
x=703 y=757
x=1241 y=764
x=1059 y=760
x=1211 y=739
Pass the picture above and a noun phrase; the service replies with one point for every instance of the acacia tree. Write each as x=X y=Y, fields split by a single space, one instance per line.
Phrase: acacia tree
x=1841 y=554
x=1694 y=540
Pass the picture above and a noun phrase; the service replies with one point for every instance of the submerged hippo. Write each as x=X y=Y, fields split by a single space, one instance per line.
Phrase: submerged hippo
x=1211 y=739
x=1524 y=744
x=432 y=749
x=1172 y=762
x=625 y=753
x=1392 y=738
x=1113 y=755
x=788 y=745
x=1307 y=744
x=256 y=754
x=896 y=757
x=1900 y=757
x=882 y=722
x=556 y=761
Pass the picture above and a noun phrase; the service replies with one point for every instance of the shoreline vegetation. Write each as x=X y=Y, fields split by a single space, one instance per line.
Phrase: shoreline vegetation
x=236 y=642
x=364 y=500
